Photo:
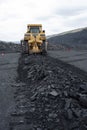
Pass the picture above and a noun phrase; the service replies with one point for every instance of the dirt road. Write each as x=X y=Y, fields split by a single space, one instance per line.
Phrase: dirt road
x=8 y=74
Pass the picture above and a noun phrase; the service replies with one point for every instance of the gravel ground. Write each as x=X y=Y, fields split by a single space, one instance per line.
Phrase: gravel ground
x=50 y=95
x=8 y=74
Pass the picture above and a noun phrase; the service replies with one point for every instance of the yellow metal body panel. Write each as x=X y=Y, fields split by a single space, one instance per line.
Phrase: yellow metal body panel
x=34 y=25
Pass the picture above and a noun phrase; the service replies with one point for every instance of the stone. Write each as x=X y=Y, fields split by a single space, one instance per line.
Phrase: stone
x=26 y=61
x=38 y=129
x=65 y=93
x=52 y=115
x=74 y=126
x=53 y=93
x=83 y=87
x=83 y=101
x=32 y=109
x=68 y=102
x=34 y=97
x=69 y=114
x=76 y=112
x=49 y=86
x=52 y=86
x=41 y=89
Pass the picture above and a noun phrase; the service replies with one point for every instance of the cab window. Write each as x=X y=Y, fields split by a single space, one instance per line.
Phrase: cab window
x=34 y=29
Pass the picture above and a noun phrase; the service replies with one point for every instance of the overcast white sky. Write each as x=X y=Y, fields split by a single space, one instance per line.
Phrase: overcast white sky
x=55 y=15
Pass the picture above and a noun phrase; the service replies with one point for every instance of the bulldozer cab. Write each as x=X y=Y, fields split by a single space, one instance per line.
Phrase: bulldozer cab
x=34 y=28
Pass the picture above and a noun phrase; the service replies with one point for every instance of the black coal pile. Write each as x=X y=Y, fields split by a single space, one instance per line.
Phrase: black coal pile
x=49 y=96
x=9 y=47
x=74 y=39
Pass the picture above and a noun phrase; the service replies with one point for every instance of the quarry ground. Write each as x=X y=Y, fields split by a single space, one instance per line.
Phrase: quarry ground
x=8 y=74
x=42 y=93
x=77 y=58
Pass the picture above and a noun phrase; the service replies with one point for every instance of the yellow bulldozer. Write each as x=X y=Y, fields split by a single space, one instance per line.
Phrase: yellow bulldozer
x=34 y=40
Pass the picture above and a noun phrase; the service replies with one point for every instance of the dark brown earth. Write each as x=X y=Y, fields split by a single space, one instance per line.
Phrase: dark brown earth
x=50 y=95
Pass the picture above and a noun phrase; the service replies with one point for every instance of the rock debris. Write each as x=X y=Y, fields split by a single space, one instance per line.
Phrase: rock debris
x=49 y=96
